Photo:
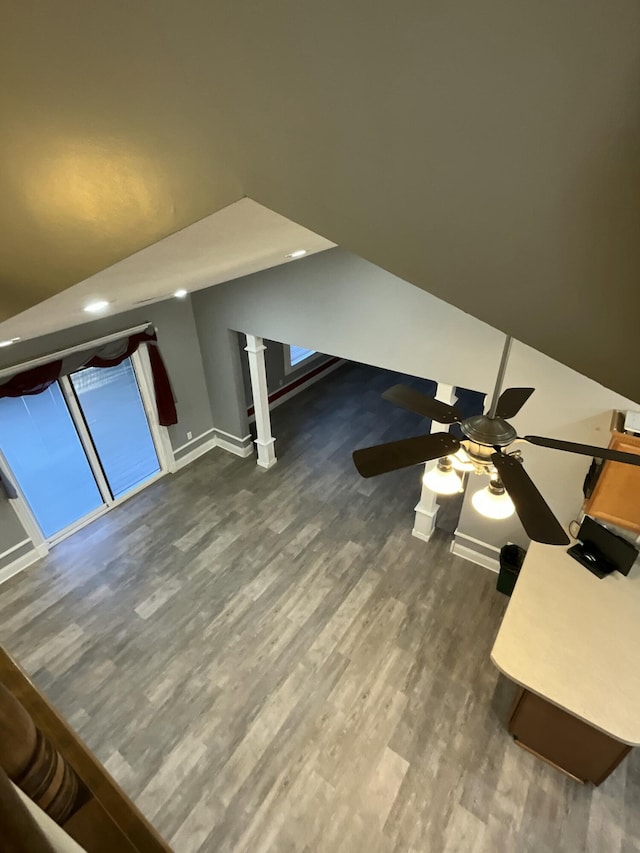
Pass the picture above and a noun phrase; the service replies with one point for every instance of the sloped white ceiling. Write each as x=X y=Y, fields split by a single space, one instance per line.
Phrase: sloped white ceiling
x=238 y=240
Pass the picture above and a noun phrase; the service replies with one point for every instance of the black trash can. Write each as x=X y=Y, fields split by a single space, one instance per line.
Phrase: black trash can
x=511 y=560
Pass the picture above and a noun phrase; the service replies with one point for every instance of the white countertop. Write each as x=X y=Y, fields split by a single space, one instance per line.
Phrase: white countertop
x=574 y=639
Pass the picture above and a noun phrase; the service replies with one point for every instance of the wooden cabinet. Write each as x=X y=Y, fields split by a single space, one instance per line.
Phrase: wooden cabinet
x=584 y=753
x=616 y=496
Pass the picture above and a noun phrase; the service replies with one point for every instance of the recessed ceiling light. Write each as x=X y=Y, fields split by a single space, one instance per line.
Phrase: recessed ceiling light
x=297 y=254
x=180 y=294
x=97 y=306
x=9 y=342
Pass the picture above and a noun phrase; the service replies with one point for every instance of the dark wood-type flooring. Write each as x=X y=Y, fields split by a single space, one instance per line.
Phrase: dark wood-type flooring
x=268 y=661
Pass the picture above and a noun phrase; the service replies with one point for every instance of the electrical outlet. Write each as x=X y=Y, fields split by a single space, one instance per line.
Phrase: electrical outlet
x=189 y=436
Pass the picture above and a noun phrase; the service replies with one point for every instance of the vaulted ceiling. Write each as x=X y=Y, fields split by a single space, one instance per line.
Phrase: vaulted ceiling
x=487 y=152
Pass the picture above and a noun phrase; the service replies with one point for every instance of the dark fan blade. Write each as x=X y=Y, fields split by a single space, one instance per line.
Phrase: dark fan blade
x=400 y=454
x=585 y=449
x=419 y=403
x=511 y=401
x=536 y=517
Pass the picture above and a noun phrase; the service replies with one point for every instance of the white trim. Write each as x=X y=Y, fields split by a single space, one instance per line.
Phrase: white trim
x=197 y=452
x=479 y=542
x=474 y=556
x=63 y=353
x=234 y=437
x=244 y=451
x=257 y=370
x=240 y=449
x=15 y=548
x=193 y=440
x=159 y=434
x=23 y=562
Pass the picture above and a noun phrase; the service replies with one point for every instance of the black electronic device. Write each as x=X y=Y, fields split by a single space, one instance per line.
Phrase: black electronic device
x=601 y=551
x=595 y=563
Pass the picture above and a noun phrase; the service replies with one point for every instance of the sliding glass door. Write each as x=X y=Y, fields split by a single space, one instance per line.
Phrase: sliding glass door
x=114 y=415
x=41 y=445
x=79 y=447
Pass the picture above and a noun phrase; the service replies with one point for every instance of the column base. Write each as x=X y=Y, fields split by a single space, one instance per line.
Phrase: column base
x=266 y=453
x=424 y=523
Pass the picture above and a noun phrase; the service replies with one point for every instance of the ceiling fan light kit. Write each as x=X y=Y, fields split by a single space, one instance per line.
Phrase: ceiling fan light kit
x=493 y=501
x=482 y=450
x=442 y=479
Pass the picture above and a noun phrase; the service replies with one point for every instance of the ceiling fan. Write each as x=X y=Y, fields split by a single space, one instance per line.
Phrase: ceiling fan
x=485 y=443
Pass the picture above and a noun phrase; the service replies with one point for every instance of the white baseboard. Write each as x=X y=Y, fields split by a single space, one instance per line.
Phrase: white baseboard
x=467 y=553
x=193 y=440
x=23 y=562
x=219 y=438
x=243 y=451
x=196 y=453
x=487 y=546
x=242 y=447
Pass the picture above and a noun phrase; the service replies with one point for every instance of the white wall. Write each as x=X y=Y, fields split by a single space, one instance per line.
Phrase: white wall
x=339 y=304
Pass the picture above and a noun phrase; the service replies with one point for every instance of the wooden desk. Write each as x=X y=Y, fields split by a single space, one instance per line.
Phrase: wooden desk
x=572 y=643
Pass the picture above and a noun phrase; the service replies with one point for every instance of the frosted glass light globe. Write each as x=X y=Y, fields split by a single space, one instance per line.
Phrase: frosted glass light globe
x=442 y=479
x=493 y=502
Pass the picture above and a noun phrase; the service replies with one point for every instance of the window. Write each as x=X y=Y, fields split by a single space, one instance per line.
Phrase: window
x=78 y=446
x=43 y=449
x=295 y=357
x=114 y=415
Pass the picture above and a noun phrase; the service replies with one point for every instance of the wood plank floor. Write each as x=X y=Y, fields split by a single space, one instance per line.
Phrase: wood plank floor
x=268 y=661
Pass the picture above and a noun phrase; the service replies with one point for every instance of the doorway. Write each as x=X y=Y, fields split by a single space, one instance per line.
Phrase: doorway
x=79 y=447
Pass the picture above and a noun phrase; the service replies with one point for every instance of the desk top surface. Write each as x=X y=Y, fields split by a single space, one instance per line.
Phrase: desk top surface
x=574 y=639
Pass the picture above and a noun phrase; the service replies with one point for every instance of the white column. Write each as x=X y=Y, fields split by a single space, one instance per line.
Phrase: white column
x=265 y=441
x=427 y=508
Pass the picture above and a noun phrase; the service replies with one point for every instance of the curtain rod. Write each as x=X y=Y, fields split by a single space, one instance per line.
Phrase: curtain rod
x=63 y=353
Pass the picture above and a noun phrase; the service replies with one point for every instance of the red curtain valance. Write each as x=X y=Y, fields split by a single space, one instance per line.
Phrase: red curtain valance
x=38 y=379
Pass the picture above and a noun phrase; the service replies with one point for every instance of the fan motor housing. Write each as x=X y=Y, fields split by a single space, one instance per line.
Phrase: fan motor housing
x=492 y=432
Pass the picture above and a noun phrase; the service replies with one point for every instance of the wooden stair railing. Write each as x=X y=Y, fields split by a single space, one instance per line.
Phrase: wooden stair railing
x=37 y=744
